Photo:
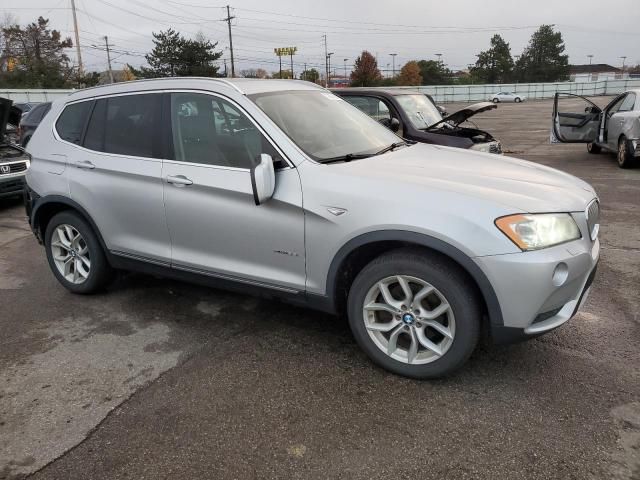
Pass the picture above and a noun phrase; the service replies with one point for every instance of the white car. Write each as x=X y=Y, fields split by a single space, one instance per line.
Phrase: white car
x=507 y=97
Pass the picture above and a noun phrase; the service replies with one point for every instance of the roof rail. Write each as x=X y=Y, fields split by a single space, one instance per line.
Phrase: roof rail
x=220 y=80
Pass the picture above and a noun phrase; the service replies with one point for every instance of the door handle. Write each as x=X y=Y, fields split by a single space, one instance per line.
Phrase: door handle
x=179 y=180
x=85 y=164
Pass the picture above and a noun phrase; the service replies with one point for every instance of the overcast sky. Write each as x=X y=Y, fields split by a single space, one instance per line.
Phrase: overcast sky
x=458 y=29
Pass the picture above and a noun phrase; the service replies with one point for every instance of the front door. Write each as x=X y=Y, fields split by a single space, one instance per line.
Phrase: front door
x=215 y=226
x=575 y=119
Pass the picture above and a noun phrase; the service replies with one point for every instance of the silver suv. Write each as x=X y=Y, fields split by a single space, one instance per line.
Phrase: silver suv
x=281 y=188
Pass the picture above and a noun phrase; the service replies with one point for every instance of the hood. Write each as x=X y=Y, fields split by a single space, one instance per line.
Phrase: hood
x=466 y=113
x=8 y=114
x=518 y=184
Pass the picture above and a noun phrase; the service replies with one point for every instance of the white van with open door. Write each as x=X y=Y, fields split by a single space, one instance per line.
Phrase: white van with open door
x=614 y=128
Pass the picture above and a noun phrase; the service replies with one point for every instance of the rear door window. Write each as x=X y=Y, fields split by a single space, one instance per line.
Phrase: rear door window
x=70 y=124
x=628 y=103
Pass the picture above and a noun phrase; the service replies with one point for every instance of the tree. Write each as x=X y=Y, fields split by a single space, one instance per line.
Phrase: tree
x=633 y=70
x=254 y=73
x=284 y=74
x=35 y=56
x=543 y=60
x=410 y=74
x=494 y=65
x=311 y=75
x=175 y=56
x=434 y=73
x=365 y=72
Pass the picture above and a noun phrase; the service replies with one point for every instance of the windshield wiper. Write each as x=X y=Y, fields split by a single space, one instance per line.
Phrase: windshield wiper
x=391 y=147
x=358 y=156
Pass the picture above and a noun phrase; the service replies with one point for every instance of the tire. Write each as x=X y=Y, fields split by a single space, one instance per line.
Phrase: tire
x=420 y=270
x=517 y=100
x=496 y=100
x=81 y=278
x=625 y=158
x=593 y=148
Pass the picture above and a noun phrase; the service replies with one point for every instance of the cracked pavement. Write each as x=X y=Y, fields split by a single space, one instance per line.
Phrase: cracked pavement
x=161 y=379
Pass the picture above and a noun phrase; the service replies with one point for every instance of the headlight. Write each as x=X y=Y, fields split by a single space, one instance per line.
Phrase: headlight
x=533 y=232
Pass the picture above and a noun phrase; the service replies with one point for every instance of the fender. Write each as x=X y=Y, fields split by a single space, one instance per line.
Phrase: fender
x=486 y=289
x=38 y=202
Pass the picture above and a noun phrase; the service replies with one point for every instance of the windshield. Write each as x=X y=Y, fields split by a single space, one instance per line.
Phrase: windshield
x=323 y=125
x=421 y=111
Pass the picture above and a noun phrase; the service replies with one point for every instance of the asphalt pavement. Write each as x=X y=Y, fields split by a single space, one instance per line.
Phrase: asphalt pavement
x=162 y=379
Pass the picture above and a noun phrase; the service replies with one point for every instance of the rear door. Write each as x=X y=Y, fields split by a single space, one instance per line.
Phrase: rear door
x=616 y=115
x=575 y=119
x=115 y=172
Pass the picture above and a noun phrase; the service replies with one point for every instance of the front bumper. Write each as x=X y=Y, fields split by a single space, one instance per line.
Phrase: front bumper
x=11 y=186
x=540 y=290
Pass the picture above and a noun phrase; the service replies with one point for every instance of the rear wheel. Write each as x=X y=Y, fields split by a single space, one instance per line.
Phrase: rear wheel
x=593 y=148
x=496 y=100
x=75 y=255
x=415 y=314
x=625 y=158
x=518 y=100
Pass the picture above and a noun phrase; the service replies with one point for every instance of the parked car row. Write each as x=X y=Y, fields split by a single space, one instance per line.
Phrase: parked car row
x=280 y=188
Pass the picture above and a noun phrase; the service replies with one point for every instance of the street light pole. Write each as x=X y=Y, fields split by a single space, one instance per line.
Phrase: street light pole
x=624 y=59
x=345 y=69
x=393 y=56
x=590 y=57
x=329 y=69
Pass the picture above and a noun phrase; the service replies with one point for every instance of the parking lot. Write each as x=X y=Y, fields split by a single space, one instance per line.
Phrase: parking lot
x=161 y=379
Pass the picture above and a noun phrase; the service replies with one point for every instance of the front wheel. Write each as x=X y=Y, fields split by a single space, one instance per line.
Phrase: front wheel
x=495 y=100
x=625 y=157
x=518 y=100
x=415 y=314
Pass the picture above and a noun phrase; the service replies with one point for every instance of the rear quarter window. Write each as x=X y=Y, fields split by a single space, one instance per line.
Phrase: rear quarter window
x=71 y=122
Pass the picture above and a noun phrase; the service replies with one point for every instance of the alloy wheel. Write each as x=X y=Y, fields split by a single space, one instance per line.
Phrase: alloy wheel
x=409 y=319
x=70 y=254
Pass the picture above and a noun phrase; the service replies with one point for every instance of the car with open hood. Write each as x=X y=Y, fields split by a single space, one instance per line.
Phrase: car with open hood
x=14 y=161
x=281 y=189
x=414 y=116
x=614 y=128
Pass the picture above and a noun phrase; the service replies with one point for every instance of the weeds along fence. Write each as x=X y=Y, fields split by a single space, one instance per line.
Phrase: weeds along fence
x=441 y=93
x=478 y=93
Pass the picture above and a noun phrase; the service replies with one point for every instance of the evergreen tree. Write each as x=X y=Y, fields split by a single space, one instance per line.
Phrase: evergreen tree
x=544 y=59
x=494 y=65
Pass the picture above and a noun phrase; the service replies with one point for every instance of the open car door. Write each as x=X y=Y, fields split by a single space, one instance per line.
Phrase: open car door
x=575 y=119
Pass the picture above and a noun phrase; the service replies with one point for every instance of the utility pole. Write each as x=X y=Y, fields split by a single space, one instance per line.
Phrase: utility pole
x=326 y=62
x=225 y=68
x=228 y=20
x=291 y=52
x=345 y=69
x=393 y=55
x=75 y=27
x=305 y=71
x=329 y=69
x=106 y=44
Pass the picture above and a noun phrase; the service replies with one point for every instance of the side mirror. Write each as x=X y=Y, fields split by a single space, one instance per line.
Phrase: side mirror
x=394 y=125
x=263 y=179
x=592 y=109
